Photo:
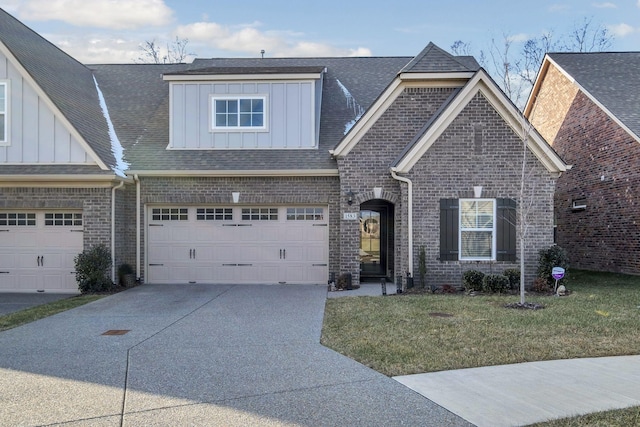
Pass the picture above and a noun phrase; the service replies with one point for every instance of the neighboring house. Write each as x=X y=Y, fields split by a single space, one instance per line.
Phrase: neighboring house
x=261 y=170
x=586 y=105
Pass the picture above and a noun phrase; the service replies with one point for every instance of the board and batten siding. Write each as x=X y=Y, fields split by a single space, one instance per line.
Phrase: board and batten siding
x=291 y=115
x=36 y=133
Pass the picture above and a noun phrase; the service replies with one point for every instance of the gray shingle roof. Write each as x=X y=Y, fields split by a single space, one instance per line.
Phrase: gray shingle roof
x=68 y=83
x=432 y=59
x=613 y=78
x=138 y=101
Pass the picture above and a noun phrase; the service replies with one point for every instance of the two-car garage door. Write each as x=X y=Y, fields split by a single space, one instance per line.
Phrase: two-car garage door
x=234 y=244
x=37 y=250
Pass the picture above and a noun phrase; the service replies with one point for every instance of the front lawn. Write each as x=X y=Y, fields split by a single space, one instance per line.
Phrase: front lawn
x=408 y=334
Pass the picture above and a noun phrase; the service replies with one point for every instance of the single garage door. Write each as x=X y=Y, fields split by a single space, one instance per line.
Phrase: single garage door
x=37 y=250
x=231 y=244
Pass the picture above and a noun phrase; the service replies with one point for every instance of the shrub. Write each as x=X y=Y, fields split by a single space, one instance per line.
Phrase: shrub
x=541 y=286
x=513 y=274
x=554 y=256
x=422 y=266
x=472 y=280
x=92 y=269
x=495 y=283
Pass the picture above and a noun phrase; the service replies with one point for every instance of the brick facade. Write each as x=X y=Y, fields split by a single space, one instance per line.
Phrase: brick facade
x=457 y=161
x=606 y=235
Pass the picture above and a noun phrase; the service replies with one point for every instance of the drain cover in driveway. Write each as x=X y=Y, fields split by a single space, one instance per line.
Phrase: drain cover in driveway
x=116 y=332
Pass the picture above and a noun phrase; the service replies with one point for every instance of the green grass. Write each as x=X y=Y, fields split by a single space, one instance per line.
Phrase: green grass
x=399 y=335
x=32 y=314
x=618 y=418
x=407 y=334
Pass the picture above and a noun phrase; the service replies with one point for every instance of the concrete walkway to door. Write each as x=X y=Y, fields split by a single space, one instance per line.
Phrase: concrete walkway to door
x=197 y=355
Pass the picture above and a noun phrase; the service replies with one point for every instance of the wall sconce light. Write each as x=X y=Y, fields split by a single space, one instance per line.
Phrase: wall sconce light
x=350 y=197
x=236 y=197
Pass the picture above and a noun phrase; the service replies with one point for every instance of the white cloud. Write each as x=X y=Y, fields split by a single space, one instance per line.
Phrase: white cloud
x=248 y=38
x=606 y=5
x=621 y=30
x=111 y=14
x=520 y=37
x=559 y=7
x=98 y=48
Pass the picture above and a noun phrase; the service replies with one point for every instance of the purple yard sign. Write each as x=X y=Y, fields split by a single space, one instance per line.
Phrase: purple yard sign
x=557 y=273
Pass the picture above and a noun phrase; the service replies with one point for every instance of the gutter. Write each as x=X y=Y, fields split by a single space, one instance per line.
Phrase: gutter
x=113 y=229
x=409 y=215
x=137 y=180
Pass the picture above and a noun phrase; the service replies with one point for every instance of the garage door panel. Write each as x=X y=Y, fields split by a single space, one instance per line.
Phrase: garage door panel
x=255 y=245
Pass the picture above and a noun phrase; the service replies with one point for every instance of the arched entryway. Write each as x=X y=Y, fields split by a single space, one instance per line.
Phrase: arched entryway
x=376 y=240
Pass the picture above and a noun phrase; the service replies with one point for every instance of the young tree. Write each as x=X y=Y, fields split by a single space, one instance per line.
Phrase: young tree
x=515 y=70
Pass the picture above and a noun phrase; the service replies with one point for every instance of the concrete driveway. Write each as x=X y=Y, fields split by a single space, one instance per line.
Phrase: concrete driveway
x=197 y=355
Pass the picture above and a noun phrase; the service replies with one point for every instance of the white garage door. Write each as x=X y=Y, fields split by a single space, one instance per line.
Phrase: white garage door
x=37 y=250
x=232 y=244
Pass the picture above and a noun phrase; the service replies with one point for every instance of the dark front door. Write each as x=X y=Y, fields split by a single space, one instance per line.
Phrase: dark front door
x=376 y=236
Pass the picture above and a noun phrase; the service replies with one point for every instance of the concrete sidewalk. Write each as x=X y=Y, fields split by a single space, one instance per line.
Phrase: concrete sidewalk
x=526 y=393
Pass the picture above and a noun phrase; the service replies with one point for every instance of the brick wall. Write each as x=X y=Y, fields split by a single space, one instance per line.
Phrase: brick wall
x=367 y=167
x=477 y=149
x=253 y=190
x=461 y=159
x=605 y=158
x=605 y=175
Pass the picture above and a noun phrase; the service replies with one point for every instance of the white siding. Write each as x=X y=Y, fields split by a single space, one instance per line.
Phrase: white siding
x=36 y=134
x=291 y=115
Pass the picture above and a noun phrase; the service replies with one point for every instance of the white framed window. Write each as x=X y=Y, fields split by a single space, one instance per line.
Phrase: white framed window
x=4 y=112
x=214 y=214
x=259 y=214
x=170 y=214
x=477 y=237
x=305 y=214
x=17 y=219
x=62 y=219
x=238 y=112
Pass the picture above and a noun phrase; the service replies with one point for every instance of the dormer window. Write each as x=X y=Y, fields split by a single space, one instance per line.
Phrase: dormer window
x=238 y=112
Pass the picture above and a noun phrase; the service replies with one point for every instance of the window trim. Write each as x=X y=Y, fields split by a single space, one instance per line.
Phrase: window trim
x=493 y=230
x=238 y=97
x=4 y=109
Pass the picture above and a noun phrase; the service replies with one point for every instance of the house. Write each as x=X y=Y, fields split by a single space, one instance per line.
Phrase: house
x=586 y=105
x=261 y=170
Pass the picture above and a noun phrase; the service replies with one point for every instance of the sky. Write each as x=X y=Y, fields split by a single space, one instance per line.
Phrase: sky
x=111 y=31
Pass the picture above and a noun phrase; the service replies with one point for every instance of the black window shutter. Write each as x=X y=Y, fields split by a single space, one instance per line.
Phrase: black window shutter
x=506 y=230
x=449 y=229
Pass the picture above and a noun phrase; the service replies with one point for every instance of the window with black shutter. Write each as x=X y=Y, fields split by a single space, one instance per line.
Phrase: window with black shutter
x=505 y=229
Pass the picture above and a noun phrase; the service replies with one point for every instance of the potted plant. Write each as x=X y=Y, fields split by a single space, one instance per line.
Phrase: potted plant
x=125 y=275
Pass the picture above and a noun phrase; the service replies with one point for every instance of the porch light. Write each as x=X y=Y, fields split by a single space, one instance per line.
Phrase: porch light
x=350 y=196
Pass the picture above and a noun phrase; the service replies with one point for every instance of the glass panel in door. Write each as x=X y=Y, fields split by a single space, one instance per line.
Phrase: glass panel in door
x=370 y=243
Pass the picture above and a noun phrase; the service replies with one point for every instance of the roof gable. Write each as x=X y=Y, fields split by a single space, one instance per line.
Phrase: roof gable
x=610 y=79
x=481 y=82
x=432 y=66
x=432 y=59
x=63 y=83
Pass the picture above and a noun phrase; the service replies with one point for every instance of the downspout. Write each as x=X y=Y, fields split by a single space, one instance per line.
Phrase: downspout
x=113 y=230
x=138 y=237
x=409 y=215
